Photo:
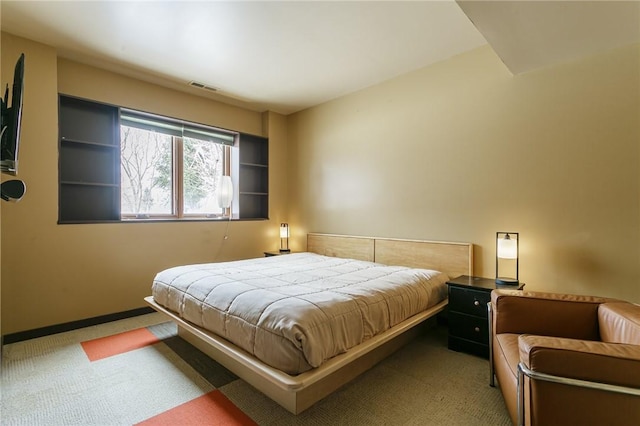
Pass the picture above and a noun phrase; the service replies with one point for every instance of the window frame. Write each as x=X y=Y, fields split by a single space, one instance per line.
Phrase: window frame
x=177 y=159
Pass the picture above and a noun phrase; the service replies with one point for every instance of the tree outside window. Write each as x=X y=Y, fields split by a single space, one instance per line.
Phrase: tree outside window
x=167 y=175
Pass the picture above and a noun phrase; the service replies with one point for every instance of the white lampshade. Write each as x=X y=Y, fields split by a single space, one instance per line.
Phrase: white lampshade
x=225 y=192
x=284 y=238
x=507 y=248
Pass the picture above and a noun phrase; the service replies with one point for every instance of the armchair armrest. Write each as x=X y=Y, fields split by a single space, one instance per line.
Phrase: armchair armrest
x=578 y=382
x=612 y=363
x=546 y=314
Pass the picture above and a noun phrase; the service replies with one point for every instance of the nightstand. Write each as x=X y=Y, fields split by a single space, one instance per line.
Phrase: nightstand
x=468 y=317
x=276 y=253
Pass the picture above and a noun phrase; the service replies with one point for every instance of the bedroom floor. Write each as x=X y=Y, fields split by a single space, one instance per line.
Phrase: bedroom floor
x=138 y=371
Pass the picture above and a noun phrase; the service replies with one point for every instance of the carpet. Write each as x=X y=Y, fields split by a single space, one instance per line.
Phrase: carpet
x=138 y=371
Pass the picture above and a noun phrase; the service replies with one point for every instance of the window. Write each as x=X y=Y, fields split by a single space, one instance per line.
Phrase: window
x=170 y=168
x=118 y=164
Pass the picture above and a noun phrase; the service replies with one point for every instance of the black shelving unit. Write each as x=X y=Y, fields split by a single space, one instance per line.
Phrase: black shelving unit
x=254 y=177
x=89 y=152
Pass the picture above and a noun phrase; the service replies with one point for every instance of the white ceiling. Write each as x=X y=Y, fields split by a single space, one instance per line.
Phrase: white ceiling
x=287 y=56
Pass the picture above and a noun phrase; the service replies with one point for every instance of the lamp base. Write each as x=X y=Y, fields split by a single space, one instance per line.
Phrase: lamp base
x=285 y=251
x=507 y=281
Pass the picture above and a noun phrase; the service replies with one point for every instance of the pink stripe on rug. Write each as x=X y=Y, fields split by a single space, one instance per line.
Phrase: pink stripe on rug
x=213 y=409
x=118 y=343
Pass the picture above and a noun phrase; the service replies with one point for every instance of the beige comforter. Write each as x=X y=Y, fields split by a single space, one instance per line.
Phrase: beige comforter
x=296 y=311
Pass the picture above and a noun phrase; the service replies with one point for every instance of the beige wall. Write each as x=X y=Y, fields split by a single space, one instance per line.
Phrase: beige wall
x=455 y=151
x=57 y=273
x=462 y=149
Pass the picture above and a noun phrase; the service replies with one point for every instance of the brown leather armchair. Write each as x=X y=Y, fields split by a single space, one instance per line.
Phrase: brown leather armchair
x=566 y=359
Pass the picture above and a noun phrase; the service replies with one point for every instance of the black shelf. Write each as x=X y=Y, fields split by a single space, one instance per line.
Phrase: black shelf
x=109 y=185
x=89 y=203
x=64 y=141
x=82 y=120
x=254 y=177
x=88 y=161
x=81 y=162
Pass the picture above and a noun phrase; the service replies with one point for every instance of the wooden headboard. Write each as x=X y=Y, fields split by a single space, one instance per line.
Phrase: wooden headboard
x=454 y=259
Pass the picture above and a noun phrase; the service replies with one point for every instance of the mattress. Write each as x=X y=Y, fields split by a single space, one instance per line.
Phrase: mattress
x=294 y=312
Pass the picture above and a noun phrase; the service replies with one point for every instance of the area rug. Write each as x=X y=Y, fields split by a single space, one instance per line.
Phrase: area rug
x=137 y=371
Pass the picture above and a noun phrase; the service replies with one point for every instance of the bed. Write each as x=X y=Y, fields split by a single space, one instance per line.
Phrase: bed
x=332 y=267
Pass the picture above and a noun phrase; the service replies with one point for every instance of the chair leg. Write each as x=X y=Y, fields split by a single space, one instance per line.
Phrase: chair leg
x=520 y=395
x=491 y=372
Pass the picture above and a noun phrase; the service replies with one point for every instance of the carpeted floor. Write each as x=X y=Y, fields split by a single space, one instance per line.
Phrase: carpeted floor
x=138 y=371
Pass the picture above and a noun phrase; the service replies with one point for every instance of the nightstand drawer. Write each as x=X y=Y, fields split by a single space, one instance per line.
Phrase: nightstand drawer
x=472 y=302
x=469 y=327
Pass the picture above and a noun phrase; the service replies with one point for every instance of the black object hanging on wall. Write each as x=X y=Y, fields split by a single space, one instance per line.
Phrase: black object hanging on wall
x=12 y=190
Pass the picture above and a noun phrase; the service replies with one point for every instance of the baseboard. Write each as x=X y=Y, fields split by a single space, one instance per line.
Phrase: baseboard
x=73 y=325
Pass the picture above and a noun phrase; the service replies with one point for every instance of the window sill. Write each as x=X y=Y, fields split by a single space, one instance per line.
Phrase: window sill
x=177 y=219
x=160 y=220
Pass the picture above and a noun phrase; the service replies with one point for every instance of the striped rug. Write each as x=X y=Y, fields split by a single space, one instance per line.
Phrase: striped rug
x=137 y=371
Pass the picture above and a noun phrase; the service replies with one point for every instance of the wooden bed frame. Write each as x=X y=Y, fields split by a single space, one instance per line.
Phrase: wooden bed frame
x=297 y=393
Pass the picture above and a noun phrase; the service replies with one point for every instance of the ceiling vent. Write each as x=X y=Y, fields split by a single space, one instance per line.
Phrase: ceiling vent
x=202 y=86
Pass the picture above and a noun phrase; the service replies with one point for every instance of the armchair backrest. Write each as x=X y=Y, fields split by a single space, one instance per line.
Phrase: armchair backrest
x=547 y=314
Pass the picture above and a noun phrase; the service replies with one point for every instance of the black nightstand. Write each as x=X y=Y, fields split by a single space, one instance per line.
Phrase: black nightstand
x=468 y=317
x=275 y=253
